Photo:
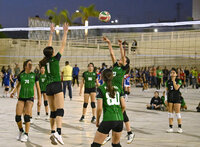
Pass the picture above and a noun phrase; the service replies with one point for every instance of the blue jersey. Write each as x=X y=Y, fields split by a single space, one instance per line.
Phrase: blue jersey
x=99 y=78
x=6 y=79
x=127 y=80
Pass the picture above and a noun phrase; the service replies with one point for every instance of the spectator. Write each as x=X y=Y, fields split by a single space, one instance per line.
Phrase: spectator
x=3 y=70
x=16 y=69
x=75 y=75
x=183 y=104
x=182 y=77
x=103 y=67
x=164 y=106
x=194 y=77
x=37 y=70
x=67 y=79
x=187 y=76
x=9 y=70
x=165 y=75
x=132 y=76
x=159 y=75
x=155 y=103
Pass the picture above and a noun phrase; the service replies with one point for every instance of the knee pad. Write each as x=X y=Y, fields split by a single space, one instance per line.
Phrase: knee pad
x=178 y=115
x=94 y=144
x=126 y=119
x=116 y=145
x=27 y=118
x=128 y=93
x=45 y=103
x=93 y=105
x=125 y=92
x=53 y=114
x=18 y=118
x=170 y=115
x=60 y=112
x=6 y=89
x=85 y=105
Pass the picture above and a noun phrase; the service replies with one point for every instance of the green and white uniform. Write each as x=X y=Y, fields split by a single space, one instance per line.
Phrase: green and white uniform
x=43 y=82
x=111 y=106
x=52 y=70
x=27 y=81
x=90 y=81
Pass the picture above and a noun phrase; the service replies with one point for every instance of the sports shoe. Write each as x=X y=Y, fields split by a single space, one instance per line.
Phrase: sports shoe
x=108 y=138
x=170 y=130
x=82 y=118
x=19 y=136
x=53 y=140
x=58 y=138
x=24 y=138
x=46 y=117
x=93 y=119
x=179 y=130
x=37 y=117
x=31 y=121
x=130 y=138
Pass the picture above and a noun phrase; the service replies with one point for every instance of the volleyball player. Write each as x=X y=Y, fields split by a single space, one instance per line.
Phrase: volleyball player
x=27 y=80
x=90 y=81
x=127 y=86
x=54 y=90
x=42 y=81
x=119 y=69
x=6 y=81
x=110 y=100
x=173 y=96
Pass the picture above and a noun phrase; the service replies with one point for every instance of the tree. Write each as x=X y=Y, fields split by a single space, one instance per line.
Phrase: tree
x=2 y=35
x=59 y=18
x=85 y=12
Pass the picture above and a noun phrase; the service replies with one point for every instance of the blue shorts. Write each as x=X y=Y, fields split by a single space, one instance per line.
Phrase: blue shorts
x=6 y=83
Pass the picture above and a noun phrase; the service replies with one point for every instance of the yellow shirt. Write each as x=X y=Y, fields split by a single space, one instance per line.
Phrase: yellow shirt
x=67 y=73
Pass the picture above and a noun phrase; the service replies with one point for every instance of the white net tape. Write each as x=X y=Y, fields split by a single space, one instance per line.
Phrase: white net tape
x=168 y=24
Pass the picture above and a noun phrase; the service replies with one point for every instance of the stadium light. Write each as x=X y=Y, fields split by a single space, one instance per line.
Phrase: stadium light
x=77 y=11
x=155 y=30
x=116 y=21
x=86 y=30
x=112 y=21
x=57 y=31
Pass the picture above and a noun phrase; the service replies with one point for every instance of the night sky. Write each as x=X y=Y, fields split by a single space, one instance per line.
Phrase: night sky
x=15 y=13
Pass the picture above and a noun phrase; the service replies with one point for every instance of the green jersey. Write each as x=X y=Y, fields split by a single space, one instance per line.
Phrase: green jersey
x=43 y=82
x=111 y=106
x=90 y=79
x=27 y=81
x=52 y=69
x=163 y=101
x=159 y=73
x=118 y=74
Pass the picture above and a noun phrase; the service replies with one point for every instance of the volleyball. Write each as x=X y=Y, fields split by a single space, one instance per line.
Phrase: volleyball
x=104 y=16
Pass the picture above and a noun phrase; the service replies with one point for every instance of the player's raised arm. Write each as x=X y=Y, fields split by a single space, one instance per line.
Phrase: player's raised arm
x=52 y=29
x=64 y=39
x=110 y=49
x=122 y=52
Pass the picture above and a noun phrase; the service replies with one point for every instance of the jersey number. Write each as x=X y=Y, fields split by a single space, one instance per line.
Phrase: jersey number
x=26 y=81
x=48 y=68
x=113 y=101
x=114 y=73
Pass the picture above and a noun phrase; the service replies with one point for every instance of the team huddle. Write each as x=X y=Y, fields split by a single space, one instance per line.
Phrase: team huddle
x=109 y=91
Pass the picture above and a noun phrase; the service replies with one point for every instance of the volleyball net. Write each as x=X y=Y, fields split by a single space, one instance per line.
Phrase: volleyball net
x=159 y=44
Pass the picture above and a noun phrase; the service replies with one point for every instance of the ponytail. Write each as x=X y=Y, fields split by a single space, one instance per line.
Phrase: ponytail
x=107 y=77
x=43 y=62
x=48 y=52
